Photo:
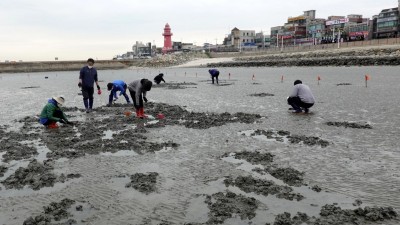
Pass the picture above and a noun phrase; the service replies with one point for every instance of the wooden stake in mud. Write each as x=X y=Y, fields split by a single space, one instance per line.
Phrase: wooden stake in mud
x=185 y=74
x=253 y=78
x=282 y=79
x=229 y=76
x=318 y=78
x=366 y=80
x=196 y=74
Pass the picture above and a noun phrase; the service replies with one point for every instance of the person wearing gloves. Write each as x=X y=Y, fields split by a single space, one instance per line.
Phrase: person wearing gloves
x=214 y=74
x=138 y=89
x=52 y=113
x=301 y=97
x=117 y=85
x=87 y=78
x=159 y=78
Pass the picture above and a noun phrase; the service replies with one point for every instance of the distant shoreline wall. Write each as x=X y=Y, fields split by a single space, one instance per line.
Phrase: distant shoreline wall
x=29 y=67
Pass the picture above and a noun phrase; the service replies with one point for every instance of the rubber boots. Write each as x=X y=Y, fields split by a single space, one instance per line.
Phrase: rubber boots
x=141 y=113
x=137 y=112
x=52 y=125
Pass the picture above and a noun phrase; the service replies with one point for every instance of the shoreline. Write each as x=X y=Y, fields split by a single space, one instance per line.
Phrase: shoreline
x=360 y=56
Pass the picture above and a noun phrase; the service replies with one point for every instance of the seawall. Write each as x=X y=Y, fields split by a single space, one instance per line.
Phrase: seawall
x=27 y=67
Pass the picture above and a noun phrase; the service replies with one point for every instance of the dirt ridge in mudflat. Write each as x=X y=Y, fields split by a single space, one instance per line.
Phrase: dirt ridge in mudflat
x=142 y=182
x=349 y=125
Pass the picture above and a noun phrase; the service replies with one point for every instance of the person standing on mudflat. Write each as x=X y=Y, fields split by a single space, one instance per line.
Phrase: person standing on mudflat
x=301 y=97
x=138 y=89
x=87 y=78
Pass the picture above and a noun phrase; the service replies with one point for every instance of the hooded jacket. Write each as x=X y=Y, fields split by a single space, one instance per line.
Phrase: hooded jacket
x=48 y=112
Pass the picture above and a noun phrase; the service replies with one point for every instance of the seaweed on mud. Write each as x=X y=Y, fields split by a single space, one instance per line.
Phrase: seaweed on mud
x=3 y=170
x=343 y=84
x=311 y=141
x=145 y=183
x=255 y=157
x=263 y=187
x=289 y=175
x=15 y=150
x=225 y=205
x=261 y=95
x=56 y=211
x=349 y=124
x=334 y=215
x=175 y=85
x=36 y=176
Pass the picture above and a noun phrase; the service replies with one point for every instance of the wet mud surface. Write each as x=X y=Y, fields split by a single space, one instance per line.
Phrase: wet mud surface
x=36 y=176
x=225 y=205
x=349 y=125
x=145 y=183
x=261 y=95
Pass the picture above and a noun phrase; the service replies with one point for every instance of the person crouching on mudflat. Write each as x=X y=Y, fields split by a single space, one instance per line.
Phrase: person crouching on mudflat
x=52 y=113
x=117 y=85
x=159 y=78
x=138 y=89
x=301 y=97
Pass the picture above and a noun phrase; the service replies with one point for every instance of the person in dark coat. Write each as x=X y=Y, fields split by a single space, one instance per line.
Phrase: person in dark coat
x=87 y=78
x=159 y=78
x=214 y=74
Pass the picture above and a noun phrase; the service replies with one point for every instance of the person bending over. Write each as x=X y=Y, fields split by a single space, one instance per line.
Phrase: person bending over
x=138 y=89
x=214 y=74
x=117 y=85
x=159 y=78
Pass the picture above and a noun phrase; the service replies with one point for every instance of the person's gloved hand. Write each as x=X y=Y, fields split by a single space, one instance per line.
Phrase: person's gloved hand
x=145 y=99
x=80 y=84
x=98 y=87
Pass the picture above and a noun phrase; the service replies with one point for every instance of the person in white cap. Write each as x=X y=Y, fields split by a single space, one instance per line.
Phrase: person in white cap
x=52 y=113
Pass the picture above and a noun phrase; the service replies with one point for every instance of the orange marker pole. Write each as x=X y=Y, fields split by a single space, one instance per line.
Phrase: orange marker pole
x=229 y=76
x=366 y=80
x=253 y=77
x=318 y=78
x=282 y=79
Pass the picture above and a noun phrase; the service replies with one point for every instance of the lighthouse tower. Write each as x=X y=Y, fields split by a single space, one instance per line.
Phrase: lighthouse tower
x=167 y=39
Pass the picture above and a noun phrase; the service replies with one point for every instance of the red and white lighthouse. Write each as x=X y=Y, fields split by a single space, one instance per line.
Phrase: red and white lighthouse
x=167 y=39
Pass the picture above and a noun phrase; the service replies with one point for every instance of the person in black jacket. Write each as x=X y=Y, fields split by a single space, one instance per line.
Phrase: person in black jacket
x=159 y=78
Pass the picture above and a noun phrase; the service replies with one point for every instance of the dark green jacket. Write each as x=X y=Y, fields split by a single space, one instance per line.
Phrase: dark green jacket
x=52 y=112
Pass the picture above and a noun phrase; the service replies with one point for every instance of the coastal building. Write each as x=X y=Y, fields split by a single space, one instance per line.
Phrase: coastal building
x=275 y=35
x=262 y=40
x=316 y=30
x=241 y=39
x=387 y=24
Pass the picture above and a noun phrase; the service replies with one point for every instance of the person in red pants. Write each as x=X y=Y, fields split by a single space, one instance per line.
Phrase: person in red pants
x=138 y=89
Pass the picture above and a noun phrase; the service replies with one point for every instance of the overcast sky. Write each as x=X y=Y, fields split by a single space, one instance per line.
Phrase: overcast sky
x=36 y=30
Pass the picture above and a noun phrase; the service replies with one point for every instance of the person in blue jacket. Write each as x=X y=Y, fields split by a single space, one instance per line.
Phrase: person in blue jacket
x=87 y=78
x=214 y=74
x=117 y=85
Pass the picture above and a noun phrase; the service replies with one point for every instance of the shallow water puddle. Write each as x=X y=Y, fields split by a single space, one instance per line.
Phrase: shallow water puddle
x=274 y=137
x=197 y=211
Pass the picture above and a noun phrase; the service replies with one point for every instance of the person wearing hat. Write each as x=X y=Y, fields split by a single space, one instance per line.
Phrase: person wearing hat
x=301 y=97
x=159 y=78
x=87 y=78
x=52 y=113
x=138 y=89
x=214 y=74
x=117 y=85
